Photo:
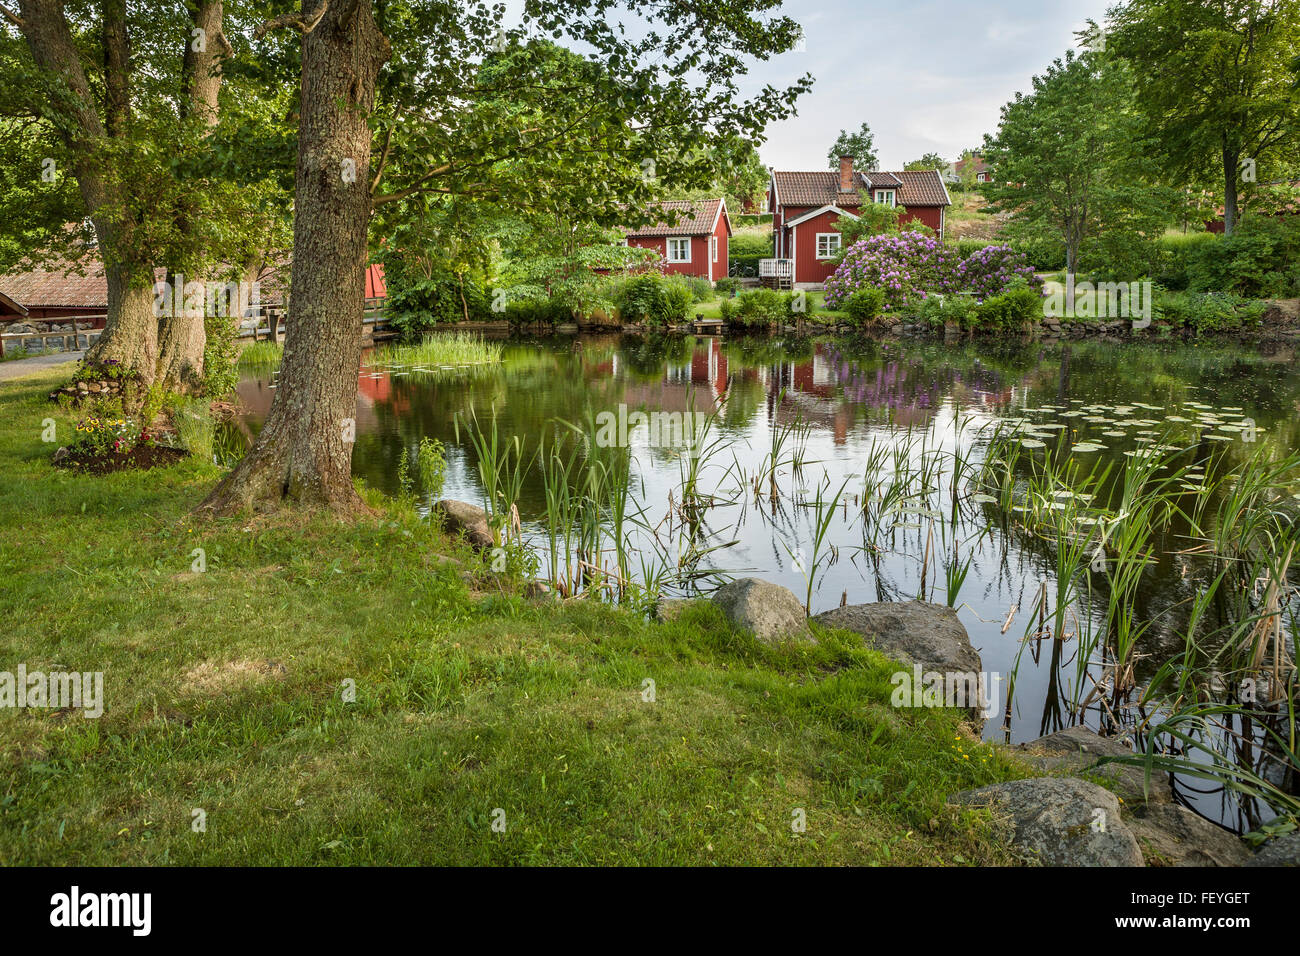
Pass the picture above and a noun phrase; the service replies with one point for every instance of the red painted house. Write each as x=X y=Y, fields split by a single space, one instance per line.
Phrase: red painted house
x=807 y=205
x=694 y=243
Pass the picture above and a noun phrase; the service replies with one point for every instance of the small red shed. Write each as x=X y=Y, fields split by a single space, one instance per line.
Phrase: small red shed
x=694 y=243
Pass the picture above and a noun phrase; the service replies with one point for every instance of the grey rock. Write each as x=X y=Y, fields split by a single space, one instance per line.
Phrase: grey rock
x=1076 y=750
x=911 y=631
x=458 y=517
x=1176 y=836
x=772 y=612
x=1279 y=851
x=1060 y=821
x=926 y=635
x=668 y=609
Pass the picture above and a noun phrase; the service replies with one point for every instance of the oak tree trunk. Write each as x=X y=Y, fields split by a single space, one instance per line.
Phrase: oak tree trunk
x=181 y=338
x=304 y=452
x=1230 y=164
x=130 y=334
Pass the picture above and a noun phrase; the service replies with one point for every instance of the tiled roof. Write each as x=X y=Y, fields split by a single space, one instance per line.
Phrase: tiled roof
x=922 y=187
x=820 y=188
x=694 y=218
x=57 y=284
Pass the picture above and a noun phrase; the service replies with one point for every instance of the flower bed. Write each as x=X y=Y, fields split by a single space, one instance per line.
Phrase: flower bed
x=113 y=444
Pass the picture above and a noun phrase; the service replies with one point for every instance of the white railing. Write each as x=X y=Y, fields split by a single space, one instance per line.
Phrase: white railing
x=775 y=268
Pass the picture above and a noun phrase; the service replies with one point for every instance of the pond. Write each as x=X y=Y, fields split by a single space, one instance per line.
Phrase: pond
x=853 y=470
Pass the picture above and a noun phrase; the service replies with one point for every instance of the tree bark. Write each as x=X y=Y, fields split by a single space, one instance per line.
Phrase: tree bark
x=1230 y=163
x=130 y=334
x=182 y=338
x=304 y=452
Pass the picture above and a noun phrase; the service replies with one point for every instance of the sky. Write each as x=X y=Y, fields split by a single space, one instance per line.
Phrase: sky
x=925 y=75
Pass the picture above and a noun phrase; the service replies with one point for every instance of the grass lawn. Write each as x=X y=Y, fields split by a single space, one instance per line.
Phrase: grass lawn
x=223 y=693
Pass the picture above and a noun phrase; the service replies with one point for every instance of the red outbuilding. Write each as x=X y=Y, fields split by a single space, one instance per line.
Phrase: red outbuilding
x=694 y=243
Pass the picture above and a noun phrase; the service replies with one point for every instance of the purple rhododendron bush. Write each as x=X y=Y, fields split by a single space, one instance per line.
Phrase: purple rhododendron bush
x=911 y=266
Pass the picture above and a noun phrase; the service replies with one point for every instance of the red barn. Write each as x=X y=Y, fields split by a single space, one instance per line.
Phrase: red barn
x=807 y=205
x=695 y=244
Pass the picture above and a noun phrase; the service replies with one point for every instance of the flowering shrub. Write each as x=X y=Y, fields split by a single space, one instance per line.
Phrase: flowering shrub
x=991 y=271
x=910 y=267
x=108 y=436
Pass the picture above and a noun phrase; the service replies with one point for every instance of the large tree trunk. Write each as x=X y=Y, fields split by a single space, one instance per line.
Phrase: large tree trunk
x=1230 y=173
x=304 y=452
x=181 y=338
x=130 y=332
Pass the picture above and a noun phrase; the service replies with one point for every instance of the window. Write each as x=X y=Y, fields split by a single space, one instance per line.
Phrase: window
x=828 y=245
x=713 y=247
x=885 y=196
x=679 y=250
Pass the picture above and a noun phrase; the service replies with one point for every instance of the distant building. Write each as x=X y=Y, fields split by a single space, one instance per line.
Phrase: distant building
x=695 y=244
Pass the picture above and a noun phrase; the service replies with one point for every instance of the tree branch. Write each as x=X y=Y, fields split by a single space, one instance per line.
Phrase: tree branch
x=12 y=17
x=301 y=21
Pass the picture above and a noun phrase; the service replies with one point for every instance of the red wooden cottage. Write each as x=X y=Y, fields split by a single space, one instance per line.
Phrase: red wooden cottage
x=806 y=206
x=695 y=243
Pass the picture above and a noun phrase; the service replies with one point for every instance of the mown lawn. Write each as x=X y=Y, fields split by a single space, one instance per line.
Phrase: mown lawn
x=224 y=693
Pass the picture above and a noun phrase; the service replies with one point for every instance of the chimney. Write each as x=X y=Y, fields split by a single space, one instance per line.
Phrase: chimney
x=846 y=174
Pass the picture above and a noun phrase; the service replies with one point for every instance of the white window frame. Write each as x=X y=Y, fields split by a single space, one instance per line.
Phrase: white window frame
x=668 y=248
x=888 y=196
x=831 y=253
x=713 y=248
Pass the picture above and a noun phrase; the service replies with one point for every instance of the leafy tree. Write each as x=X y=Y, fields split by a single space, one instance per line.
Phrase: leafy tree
x=860 y=145
x=393 y=93
x=122 y=99
x=1071 y=152
x=1216 y=83
x=928 y=161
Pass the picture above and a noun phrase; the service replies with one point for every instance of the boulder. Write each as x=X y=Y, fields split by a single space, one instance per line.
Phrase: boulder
x=910 y=631
x=1279 y=851
x=1060 y=821
x=458 y=517
x=772 y=612
x=1176 y=836
x=667 y=609
x=1076 y=749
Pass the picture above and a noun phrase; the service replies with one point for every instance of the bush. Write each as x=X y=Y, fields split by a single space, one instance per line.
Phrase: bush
x=911 y=267
x=993 y=270
x=701 y=289
x=653 y=299
x=418 y=307
x=726 y=287
x=761 y=308
x=1207 y=312
x=1020 y=305
x=1261 y=259
x=865 y=305
x=745 y=249
x=537 y=312
x=1176 y=252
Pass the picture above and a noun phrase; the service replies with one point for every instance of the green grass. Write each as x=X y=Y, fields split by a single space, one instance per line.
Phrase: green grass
x=441 y=348
x=262 y=357
x=223 y=694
